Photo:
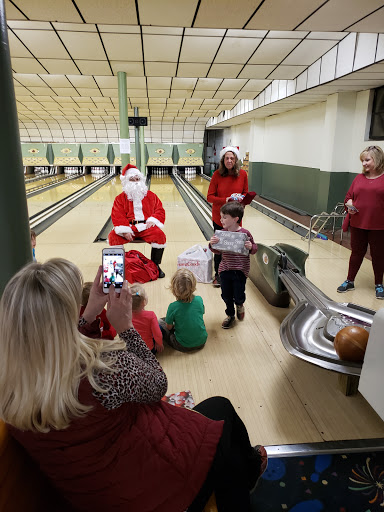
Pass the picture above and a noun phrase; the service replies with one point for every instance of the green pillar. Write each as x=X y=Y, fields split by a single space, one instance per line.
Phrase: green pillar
x=137 y=141
x=16 y=248
x=123 y=118
x=142 y=150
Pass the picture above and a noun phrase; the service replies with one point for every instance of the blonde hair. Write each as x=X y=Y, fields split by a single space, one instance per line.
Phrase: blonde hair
x=377 y=155
x=183 y=284
x=85 y=293
x=139 y=297
x=43 y=356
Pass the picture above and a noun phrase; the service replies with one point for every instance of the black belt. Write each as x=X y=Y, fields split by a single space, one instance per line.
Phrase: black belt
x=133 y=222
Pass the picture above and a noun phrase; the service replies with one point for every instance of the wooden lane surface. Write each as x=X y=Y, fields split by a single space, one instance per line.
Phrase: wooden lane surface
x=46 y=198
x=281 y=399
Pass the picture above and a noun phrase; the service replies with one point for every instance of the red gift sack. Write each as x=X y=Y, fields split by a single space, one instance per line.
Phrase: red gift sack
x=139 y=269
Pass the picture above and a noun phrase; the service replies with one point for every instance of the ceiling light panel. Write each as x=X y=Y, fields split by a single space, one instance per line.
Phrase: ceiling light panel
x=282 y=15
x=43 y=43
x=199 y=49
x=46 y=10
x=273 y=51
x=167 y=12
x=236 y=50
x=161 y=48
x=123 y=46
x=113 y=11
x=83 y=45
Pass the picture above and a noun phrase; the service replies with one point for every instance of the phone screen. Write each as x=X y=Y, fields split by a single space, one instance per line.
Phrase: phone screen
x=113 y=269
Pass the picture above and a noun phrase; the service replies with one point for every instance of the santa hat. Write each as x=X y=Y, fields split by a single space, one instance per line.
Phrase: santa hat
x=130 y=170
x=234 y=150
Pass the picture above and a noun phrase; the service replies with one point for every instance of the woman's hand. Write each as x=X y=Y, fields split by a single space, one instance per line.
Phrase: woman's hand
x=351 y=208
x=119 y=311
x=159 y=348
x=214 y=240
x=97 y=299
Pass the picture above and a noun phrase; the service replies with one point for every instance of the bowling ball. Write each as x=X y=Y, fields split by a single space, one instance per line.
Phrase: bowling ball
x=350 y=343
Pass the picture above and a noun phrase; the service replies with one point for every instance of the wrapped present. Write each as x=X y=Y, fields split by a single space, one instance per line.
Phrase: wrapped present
x=231 y=241
x=180 y=399
x=198 y=260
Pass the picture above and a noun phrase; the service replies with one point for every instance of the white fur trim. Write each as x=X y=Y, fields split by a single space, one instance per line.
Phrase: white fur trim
x=233 y=149
x=158 y=246
x=123 y=229
x=141 y=227
x=156 y=222
x=138 y=210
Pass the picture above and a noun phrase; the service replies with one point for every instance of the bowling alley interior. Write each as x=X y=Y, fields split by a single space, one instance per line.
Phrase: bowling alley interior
x=296 y=90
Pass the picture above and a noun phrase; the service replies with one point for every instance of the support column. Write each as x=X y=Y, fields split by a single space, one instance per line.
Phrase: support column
x=125 y=147
x=16 y=248
x=142 y=151
x=137 y=141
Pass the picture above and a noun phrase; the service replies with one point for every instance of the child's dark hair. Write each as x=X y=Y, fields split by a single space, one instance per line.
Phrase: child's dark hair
x=85 y=293
x=33 y=234
x=233 y=209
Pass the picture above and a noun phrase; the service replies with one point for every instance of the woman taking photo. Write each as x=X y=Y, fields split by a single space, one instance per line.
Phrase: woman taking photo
x=227 y=180
x=89 y=411
x=364 y=203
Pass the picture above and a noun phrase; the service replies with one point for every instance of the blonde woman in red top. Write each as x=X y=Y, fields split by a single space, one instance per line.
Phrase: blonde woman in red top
x=227 y=180
x=365 y=206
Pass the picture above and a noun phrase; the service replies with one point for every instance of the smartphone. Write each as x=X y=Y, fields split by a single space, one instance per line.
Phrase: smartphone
x=113 y=268
x=352 y=208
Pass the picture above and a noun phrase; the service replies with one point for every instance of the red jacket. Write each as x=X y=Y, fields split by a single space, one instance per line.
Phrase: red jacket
x=368 y=197
x=124 y=211
x=222 y=187
x=105 y=329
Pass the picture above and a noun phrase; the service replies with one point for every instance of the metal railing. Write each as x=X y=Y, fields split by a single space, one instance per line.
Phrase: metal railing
x=315 y=226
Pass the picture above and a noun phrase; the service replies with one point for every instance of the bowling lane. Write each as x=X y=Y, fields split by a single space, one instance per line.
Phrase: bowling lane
x=38 y=202
x=43 y=181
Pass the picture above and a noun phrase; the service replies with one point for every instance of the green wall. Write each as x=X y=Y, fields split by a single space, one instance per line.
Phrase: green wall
x=305 y=189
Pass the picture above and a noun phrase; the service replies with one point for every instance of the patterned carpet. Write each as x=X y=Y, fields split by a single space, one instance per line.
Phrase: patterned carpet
x=329 y=483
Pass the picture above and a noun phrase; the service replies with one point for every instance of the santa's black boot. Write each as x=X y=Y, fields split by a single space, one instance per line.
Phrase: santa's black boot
x=156 y=256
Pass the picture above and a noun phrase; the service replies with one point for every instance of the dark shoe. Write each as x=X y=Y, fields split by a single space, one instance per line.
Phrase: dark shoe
x=240 y=312
x=346 y=286
x=259 y=455
x=216 y=282
x=228 y=322
x=379 y=291
x=161 y=273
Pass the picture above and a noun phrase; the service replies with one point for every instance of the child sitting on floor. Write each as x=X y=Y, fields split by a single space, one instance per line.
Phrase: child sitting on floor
x=105 y=329
x=233 y=268
x=145 y=322
x=184 y=323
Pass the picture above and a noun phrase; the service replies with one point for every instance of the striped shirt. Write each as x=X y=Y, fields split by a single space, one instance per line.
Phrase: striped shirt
x=231 y=261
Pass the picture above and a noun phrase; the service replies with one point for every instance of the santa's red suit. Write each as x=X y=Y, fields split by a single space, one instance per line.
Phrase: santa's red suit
x=133 y=209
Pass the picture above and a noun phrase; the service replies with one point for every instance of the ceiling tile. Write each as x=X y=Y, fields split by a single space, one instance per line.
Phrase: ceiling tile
x=199 y=49
x=184 y=83
x=12 y=12
x=123 y=47
x=160 y=68
x=158 y=47
x=232 y=84
x=273 y=51
x=66 y=91
x=327 y=35
x=43 y=43
x=282 y=15
x=247 y=33
x=236 y=50
x=246 y=95
x=187 y=69
x=372 y=23
x=208 y=84
x=58 y=67
x=109 y=82
x=56 y=81
x=167 y=12
x=42 y=91
x=286 y=72
x=212 y=15
x=45 y=10
x=17 y=49
x=226 y=95
x=225 y=70
x=203 y=94
x=286 y=34
x=308 y=51
x=256 y=85
x=256 y=71
x=131 y=68
x=83 y=45
x=23 y=65
x=29 y=80
x=113 y=11
x=88 y=92
x=159 y=93
x=177 y=93
x=159 y=83
x=82 y=81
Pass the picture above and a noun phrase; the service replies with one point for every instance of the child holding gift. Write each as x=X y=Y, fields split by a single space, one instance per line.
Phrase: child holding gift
x=234 y=268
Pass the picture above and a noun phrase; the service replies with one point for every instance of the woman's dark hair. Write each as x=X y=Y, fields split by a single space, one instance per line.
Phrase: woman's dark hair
x=233 y=209
x=224 y=171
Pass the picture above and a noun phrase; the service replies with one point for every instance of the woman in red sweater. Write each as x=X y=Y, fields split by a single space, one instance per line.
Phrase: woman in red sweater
x=227 y=180
x=365 y=206
x=89 y=411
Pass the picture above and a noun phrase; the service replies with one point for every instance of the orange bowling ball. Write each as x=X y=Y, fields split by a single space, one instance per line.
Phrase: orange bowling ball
x=350 y=343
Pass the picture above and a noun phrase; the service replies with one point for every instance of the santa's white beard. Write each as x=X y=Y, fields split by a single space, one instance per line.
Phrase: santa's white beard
x=135 y=190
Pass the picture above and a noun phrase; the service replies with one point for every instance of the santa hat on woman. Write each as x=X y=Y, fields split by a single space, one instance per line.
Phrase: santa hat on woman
x=129 y=171
x=233 y=149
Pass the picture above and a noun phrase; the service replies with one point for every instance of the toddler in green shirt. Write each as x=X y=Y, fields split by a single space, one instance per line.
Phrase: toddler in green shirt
x=183 y=327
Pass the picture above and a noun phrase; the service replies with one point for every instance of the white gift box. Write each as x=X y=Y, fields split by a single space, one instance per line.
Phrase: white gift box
x=231 y=241
x=198 y=260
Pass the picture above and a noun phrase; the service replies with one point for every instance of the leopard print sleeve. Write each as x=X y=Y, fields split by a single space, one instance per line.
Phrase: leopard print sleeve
x=138 y=376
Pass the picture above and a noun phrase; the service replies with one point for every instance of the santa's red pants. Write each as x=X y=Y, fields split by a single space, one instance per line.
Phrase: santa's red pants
x=154 y=236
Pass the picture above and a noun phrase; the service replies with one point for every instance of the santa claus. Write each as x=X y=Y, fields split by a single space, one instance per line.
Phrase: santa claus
x=137 y=214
